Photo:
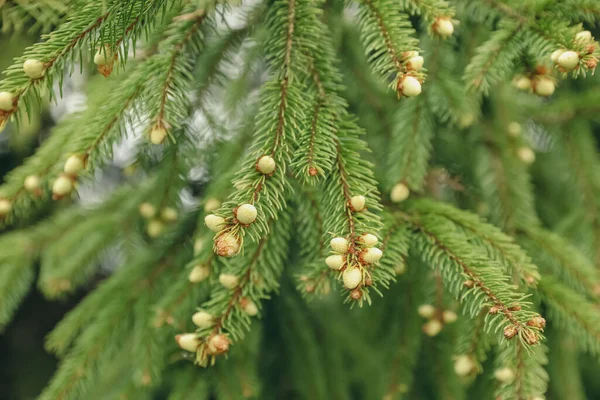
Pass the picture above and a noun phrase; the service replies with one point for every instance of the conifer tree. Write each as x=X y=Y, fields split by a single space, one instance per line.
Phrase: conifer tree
x=368 y=199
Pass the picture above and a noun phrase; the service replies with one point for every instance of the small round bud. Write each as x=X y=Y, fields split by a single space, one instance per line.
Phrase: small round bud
x=5 y=206
x=443 y=26
x=228 y=244
x=555 y=54
x=211 y=205
x=155 y=228
x=504 y=375
x=250 y=308
x=147 y=210
x=463 y=365
x=410 y=86
x=400 y=269
x=514 y=129
x=368 y=239
x=449 y=316
x=335 y=262
x=399 y=193
x=62 y=186
x=415 y=63
x=339 y=245
x=426 y=310
x=32 y=183
x=265 y=165
x=214 y=222
x=188 y=341
x=432 y=328
x=493 y=310
x=198 y=245
x=229 y=281
x=218 y=344
x=246 y=214
x=73 y=165
x=168 y=214
x=199 y=273
x=371 y=255
x=356 y=294
x=568 y=60
x=158 y=134
x=466 y=120
x=522 y=83
x=352 y=277
x=526 y=155
x=33 y=68
x=583 y=37
x=544 y=86
x=469 y=284
x=510 y=331
x=6 y=101
x=104 y=56
x=358 y=203
x=537 y=322
x=202 y=319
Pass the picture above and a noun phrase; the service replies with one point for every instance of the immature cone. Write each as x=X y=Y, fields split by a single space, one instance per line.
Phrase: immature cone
x=73 y=165
x=229 y=281
x=62 y=186
x=218 y=344
x=33 y=68
x=6 y=101
x=443 y=26
x=399 y=193
x=510 y=331
x=358 y=203
x=246 y=214
x=526 y=155
x=368 y=239
x=426 y=310
x=168 y=214
x=147 y=210
x=432 y=327
x=339 y=245
x=568 y=60
x=104 y=56
x=352 y=277
x=335 y=262
x=415 y=63
x=544 y=86
x=158 y=134
x=155 y=228
x=265 y=165
x=250 y=307
x=463 y=365
x=202 y=319
x=555 y=54
x=214 y=222
x=410 y=86
x=504 y=375
x=522 y=83
x=583 y=37
x=211 y=205
x=449 y=317
x=5 y=206
x=228 y=244
x=371 y=255
x=188 y=341
x=32 y=183
x=199 y=273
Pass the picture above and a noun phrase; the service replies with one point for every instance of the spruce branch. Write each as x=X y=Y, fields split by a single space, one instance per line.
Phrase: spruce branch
x=43 y=15
x=527 y=377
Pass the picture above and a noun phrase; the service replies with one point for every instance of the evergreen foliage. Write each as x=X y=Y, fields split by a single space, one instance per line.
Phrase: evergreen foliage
x=301 y=224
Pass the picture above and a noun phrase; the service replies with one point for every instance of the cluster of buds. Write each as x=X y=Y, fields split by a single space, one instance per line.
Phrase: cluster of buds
x=228 y=241
x=351 y=258
x=65 y=183
x=156 y=221
x=105 y=60
x=540 y=82
x=214 y=345
x=569 y=60
x=436 y=318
